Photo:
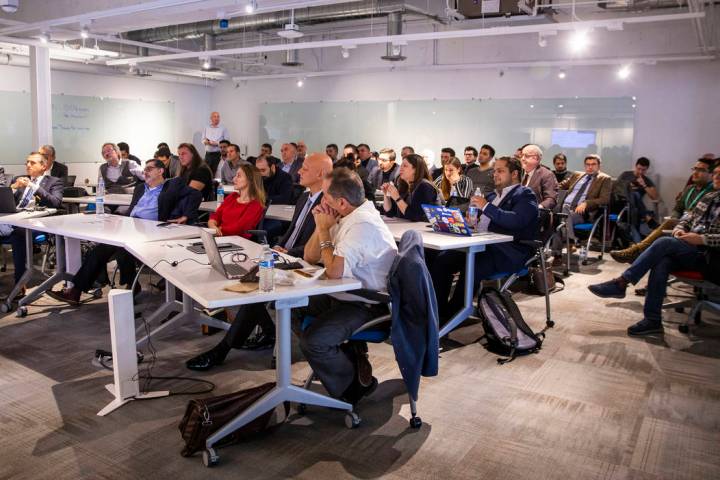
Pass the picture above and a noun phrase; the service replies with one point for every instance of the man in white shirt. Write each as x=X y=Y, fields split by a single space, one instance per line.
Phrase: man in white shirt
x=212 y=134
x=117 y=173
x=352 y=241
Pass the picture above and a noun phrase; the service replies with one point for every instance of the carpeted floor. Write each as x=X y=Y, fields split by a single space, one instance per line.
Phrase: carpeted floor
x=593 y=404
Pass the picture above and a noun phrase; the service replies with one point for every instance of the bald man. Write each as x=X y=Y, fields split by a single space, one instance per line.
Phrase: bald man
x=212 y=135
x=312 y=172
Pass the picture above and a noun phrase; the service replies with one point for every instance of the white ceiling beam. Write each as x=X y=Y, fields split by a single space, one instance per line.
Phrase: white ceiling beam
x=414 y=37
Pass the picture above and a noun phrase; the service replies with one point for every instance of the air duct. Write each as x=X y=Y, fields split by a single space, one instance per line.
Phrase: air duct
x=208 y=64
x=394 y=27
x=292 y=57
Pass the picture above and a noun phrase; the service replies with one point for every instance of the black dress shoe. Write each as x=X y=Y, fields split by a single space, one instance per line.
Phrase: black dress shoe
x=356 y=392
x=205 y=361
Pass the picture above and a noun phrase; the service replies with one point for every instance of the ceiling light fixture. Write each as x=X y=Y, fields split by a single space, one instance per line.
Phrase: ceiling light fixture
x=251 y=6
x=579 y=41
x=84 y=32
x=542 y=41
x=562 y=74
x=206 y=64
x=300 y=82
x=345 y=53
x=624 y=72
x=44 y=37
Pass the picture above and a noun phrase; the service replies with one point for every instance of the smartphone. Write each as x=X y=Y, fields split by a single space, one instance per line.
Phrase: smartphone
x=163 y=224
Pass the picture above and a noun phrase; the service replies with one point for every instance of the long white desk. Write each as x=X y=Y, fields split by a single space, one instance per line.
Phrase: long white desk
x=119 y=199
x=205 y=286
x=209 y=206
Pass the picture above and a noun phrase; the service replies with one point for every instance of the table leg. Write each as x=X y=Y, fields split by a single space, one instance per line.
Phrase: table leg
x=284 y=391
x=468 y=307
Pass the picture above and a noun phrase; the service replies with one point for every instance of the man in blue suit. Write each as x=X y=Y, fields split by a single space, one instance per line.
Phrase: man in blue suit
x=511 y=210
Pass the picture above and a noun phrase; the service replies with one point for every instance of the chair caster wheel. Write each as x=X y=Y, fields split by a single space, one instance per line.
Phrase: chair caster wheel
x=301 y=408
x=5 y=307
x=352 y=420
x=683 y=329
x=21 y=312
x=210 y=458
x=550 y=323
x=415 y=422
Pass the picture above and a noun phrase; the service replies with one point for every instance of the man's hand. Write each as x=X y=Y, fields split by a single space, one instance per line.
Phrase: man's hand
x=580 y=209
x=280 y=249
x=21 y=182
x=206 y=141
x=640 y=181
x=478 y=201
x=325 y=216
x=182 y=220
x=692 y=238
x=678 y=232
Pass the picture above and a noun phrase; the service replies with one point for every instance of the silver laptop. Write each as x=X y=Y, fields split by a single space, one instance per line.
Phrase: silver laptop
x=230 y=270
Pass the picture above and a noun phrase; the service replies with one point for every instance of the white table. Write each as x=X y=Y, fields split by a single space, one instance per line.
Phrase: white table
x=205 y=286
x=209 y=206
x=11 y=219
x=120 y=199
x=70 y=230
x=446 y=241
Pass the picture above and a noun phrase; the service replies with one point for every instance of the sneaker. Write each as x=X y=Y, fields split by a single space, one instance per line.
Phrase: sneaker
x=609 y=289
x=624 y=256
x=645 y=327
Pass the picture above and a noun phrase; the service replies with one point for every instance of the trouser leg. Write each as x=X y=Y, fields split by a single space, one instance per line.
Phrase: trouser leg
x=95 y=261
x=663 y=247
x=246 y=319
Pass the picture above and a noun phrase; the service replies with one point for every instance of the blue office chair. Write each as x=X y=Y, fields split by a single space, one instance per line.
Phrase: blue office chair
x=41 y=239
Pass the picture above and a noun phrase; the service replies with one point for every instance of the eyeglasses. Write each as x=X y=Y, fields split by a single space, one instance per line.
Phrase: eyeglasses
x=529 y=155
x=148 y=169
x=698 y=169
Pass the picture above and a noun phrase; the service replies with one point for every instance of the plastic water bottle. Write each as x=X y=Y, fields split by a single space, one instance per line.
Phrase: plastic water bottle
x=220 y=194
x=267 y=270
x=473 y=211
x=100 y=197
x=583 y=254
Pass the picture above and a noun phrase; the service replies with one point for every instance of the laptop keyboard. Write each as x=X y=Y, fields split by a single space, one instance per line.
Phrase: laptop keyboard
x=235 y=269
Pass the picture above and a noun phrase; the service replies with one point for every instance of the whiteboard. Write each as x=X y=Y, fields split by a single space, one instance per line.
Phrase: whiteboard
x=429 y=125
x=82 y=124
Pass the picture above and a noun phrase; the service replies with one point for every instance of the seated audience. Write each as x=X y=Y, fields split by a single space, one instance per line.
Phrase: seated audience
x=696 y=235
x=452 y=186
x=405 y=151
x=291 y=161
x=511 y=210
x=352 y=241
x=446 y=154
x=265 y=149
x=242 y=210
x=560 y=163
x=55 y=168
x=587 y=192
x=631 y=187
x=229 y=166
x=354 y=165
x=471 y=156
x=686 y=201
x=387 y=170
x=125 y=152
x=365 y=155
x=194 y=170
x=278 y=185
x=157 y=199
x=3 y=178
x=38 y=188
x=332 y=151
x=413 y=189
x=482 y=176
x=172 y=155
x=538 y=177
x=171 y=162
x=118 y=174
x=301 y=149
x=314 y=169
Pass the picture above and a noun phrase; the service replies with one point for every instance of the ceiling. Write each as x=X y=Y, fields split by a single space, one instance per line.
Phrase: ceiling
x=186 y=41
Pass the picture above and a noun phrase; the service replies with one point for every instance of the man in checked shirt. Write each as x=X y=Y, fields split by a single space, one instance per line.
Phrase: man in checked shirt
x=697 y=231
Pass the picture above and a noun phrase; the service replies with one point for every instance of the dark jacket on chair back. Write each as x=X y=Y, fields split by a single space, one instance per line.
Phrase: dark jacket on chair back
x=414 y=329
x=176 y=200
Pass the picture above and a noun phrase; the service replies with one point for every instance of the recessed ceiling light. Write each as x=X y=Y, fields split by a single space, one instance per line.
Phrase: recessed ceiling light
x=84 y=32
x=561 y=105
x=300 y=82
x=562 y=74
x=532 y=106
x=623 y=72
x=579 y=41
x=251 y=6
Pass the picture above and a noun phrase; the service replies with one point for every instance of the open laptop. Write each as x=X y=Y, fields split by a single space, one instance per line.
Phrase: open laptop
x=448 y=220
x=199 y=248
x=7 y=201
x=230 y=270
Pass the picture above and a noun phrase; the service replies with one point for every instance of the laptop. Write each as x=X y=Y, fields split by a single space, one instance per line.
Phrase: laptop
x=199 y=248
x=448 y=220
x=230 y=270
x=7 y=201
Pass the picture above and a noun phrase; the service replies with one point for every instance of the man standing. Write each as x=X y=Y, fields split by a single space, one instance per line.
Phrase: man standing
x=352 y=241
x=291 y=163
x=55 y=168
x=387 y=170
x=228 y=168
x=696 y=234
x=212 y=134
x=538 y=177
x=482 y=175
x=278 y=184
x=561 y=172
x=314 y=169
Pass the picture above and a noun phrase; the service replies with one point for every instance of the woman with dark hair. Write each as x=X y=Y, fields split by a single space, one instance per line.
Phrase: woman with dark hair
x=413 y=189
x=453 y=187
x=194 y=170
x=242 y=210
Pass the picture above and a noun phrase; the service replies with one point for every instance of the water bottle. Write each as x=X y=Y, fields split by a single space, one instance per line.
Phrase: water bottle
x=220 y=194
x=100 y=197
x=474 y=211
x=583 y=254
x=267 y=270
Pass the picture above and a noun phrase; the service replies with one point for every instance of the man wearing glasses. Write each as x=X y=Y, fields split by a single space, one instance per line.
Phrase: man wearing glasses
x=686 y=201
x=537 y=177
x=157 y=199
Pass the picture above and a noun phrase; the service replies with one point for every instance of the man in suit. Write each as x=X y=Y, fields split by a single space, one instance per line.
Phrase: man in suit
x=314 y=169
x=511 y=210
x=387 y=171
x=587 y=192
x=291 y=162
x=540 y=179
x=278 y=184
x=38 y=188
x=55 y=168
x=366 y=160
x=157 y=199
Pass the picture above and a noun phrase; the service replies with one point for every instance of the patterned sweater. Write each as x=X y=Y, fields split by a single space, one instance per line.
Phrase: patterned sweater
x=704 y=219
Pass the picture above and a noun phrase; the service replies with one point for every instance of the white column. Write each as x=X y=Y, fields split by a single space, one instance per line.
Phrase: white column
x=40 y=95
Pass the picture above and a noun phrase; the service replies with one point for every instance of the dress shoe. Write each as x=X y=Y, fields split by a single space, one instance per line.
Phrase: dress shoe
x=645 y=327
x=211 y=358
x=70 y=296
x=609 y=289
x=362 y=363
x=625 y=256
x=356 y=392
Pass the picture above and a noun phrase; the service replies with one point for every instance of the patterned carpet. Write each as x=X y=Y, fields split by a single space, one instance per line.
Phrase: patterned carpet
x=593 y=404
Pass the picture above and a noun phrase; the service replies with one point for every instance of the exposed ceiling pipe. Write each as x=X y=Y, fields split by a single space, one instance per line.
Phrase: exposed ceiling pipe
x=208 y=64
x=292 y=57
x=394 y=27
x=275 y=20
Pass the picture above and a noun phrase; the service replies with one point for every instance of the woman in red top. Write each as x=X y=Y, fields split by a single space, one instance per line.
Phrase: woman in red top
x=242 y=210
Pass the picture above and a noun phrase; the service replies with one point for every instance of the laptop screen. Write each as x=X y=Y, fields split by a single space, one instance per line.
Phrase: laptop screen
x=212 y=251
x=447 y=220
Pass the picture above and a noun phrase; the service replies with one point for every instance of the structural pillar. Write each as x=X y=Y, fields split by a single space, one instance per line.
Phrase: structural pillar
x=41 y=100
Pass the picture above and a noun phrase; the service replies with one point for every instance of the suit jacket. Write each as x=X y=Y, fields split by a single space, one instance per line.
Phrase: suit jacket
x=371 y=165
x=279 y=188
x=375 y=177
x=58 y=170
x=545 y=186
x=176 y=200
x=295 y=168
x=306 y=229
x=50 y=192
x=3 y=178
x=516 y=215
x=599 y=192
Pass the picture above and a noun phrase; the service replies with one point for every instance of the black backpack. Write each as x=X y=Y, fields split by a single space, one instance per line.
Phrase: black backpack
x=506 y=332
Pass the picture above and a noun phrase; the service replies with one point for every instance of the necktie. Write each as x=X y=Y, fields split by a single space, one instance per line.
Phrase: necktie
x=526 y=180
x=298 y=224
x=581 y=191
x=26 y=197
